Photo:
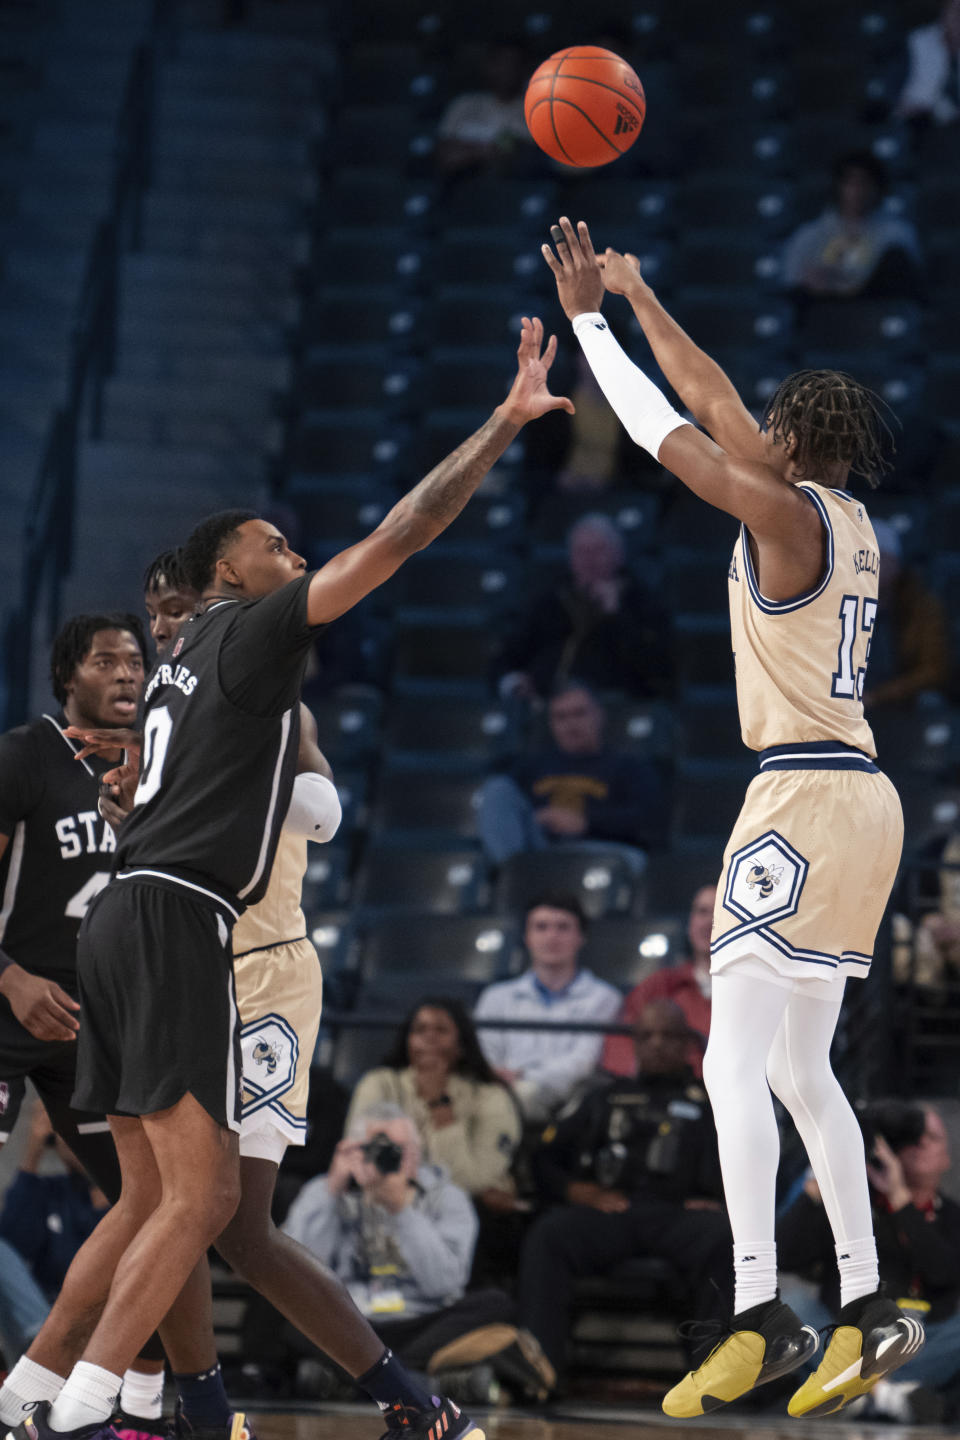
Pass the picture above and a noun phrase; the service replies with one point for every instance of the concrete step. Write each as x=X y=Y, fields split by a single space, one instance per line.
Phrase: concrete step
x=147 y=270
x=241 y=146
x=142 y=305
x=261 y=337
x=253 y=213
x=146 y=363
x=281 y=249
x=177 y=429
x=213 y=177
x=183 y=469
x=250 y=78
x=216 y=115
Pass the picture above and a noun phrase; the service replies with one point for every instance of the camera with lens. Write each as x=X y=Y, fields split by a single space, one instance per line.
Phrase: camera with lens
x=383 y=1153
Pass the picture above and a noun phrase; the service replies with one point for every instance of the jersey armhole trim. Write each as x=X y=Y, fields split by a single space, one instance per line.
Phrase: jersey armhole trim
x=783 y=607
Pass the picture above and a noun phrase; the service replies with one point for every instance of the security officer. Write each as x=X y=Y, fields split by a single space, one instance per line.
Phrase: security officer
x=635 y=1173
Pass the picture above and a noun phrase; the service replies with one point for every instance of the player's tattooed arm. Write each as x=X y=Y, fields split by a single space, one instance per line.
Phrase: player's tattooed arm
x=431 y=505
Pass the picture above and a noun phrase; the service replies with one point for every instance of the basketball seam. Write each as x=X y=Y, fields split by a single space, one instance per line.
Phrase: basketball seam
x=602 y=83
x=628 y=98
x=562 y=101
x=553 y=124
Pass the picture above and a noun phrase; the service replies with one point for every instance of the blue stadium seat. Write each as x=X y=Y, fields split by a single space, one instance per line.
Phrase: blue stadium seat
x=885 y=328
x=694 y=582
x=382 y=383
x=373 y=317
x=717 y=262
x=477 y=732
x=380 y=135
x=670 y=882
x=390 y=255
x=393 y=878
x=364 y=442
x=437 y=949
x=423 y=807
x=708 y=798
x=505 y=204
x=326 y=884
x=348 y=725
x=472 y=255
x=373 y=196
x=633 y=512
x=642 y=727
x=444 y=652
x=625 y=949
x=710 y=731
x=601 y=880
x=763 y=323
x=764 y=206
x=442 y=585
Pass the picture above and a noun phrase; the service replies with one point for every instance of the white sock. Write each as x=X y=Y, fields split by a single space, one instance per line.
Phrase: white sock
x=755 y=1274
x=88 y=1397
x=857 y=1263
x=142 y=1394
x=27 y=1383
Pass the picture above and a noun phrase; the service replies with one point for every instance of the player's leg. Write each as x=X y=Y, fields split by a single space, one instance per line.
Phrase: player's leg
x=765 y=1339
x=41 y=1373
x=873 y=1336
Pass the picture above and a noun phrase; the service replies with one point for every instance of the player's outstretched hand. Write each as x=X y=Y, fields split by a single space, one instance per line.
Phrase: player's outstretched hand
x=621 y=273
x=104 y=742
x=575 y=268
x=529 y=394
x=41 y=1006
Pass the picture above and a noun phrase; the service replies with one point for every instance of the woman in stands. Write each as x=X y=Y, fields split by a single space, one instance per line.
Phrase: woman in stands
x=467 y=1118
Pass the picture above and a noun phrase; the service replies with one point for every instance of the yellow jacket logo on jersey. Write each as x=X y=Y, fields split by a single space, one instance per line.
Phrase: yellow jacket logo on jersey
x=764 y=877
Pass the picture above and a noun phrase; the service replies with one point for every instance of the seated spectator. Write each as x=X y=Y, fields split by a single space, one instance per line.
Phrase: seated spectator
x=686 y=984
x=632 y=1173
x=23 y=1306
x=577 y=790
x=931 y=93
x=484 y=130
x=910 y=648
x=918 y=1246
x=855 y=248
x=935 y=958
x=600 y=623
x=400 y=1235
x=466 y=1118
x=46 y=1217
x=543 y=1068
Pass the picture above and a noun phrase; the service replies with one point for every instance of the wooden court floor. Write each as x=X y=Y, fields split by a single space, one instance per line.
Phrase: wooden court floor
x=586 y=1423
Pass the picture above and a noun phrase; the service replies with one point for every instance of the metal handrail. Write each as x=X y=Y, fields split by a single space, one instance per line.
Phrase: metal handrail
x=48 y=547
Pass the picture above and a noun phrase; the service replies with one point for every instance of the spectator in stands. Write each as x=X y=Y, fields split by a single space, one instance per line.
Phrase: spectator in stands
x=543 y=1067
x=578 y=790
x=855 y=249
x=910 y=648
x=47 y=1217
x=400 y=1235
x=931 y=93
x=466 y=1118
x=600 y=623
x=23 y=1306
x=935 y=960
x=918 y=1244
x=484 y=130
x=632 y=1173
x=686 y=984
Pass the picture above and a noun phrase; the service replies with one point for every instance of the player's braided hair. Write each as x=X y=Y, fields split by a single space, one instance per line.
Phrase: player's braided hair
x=207 y=542
x=73 y=643
x=166 y=569
x=831 y=419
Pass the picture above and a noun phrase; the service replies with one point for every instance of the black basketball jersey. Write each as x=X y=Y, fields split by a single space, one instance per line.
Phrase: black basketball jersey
x=60 y=850
x=220 y=739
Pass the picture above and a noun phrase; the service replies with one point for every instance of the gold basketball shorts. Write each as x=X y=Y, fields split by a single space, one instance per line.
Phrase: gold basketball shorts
x=808 y=869
x=279 y=997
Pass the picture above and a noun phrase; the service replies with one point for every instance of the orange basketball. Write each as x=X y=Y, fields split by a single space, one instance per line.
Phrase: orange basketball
x=584 y=106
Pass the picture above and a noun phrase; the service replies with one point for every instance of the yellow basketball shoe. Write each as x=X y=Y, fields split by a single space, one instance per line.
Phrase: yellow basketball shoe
x=760 y=1345
x=872 y=1336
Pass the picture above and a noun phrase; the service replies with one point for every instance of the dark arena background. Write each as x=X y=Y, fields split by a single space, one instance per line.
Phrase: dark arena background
x=274 y=254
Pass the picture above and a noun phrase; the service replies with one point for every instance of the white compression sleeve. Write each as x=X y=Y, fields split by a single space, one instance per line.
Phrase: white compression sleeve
x=644 y=411
x=314 y=808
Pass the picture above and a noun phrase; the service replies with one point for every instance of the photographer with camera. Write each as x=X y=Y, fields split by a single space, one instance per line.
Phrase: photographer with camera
x=918 y=1247
x=634 y=1173
x=401 y=1235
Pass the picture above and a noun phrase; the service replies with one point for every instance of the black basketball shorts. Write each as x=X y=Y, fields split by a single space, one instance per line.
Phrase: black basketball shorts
x=159 y=1015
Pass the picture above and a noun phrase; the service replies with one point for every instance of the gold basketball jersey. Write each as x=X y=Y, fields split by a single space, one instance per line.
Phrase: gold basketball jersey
x=801 y=663
x=277 y=918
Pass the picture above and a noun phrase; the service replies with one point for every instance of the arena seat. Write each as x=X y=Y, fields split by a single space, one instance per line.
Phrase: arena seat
x=417 y=806
x=480 y=731
x=708 y=798
x=670 y=882
x=523 y=205
x=364 y=441
x=641 y=727
x=703 y=653
x=326 y=884
x=440 y=652
x=885 y=328
x=380 y=135
x=601 y=879
x=694 y=582
x=710 y=731
x=474 y=253
x=393 y=878
x=389 y=255
x=633 y=513
x=363 y=195
x=766 y=207
x=625 y=949
x=382 y=383
x=348 y=725
x=437 y=949
x=373 y=317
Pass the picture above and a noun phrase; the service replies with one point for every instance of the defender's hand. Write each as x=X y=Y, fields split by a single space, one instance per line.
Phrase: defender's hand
x=529 y=396
x=621 y=273
x=121 y=782
x=41 y=1006
x=575 y=268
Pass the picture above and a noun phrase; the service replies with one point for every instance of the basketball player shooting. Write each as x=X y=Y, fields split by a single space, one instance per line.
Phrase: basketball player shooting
x=809 y=866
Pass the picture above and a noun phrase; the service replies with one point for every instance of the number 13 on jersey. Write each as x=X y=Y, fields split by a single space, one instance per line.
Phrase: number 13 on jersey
x=847 y=681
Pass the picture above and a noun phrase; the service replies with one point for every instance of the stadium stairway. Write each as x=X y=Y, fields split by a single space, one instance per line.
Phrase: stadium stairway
x=63 y=70
x=208 y=303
